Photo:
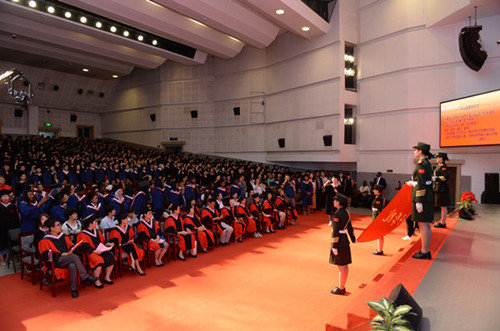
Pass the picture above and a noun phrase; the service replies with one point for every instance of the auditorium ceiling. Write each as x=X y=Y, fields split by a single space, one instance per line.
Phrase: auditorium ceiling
x=114 y=36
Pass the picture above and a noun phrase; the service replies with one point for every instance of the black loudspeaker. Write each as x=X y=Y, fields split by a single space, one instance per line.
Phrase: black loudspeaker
x=18 y=112
x=80 y=91
x=491 y=182
x=236 y=111
x=72 y=117
x=101 y=95
x=55 y=87
x=471 y=49
x=281 y=142
x=194 y=114
x=153 y=117
x=400 y=296
x=327 y=140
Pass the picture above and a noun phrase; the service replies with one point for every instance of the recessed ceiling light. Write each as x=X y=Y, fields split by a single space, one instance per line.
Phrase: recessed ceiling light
x=115 y=76
x=154 y=42
x=51 y=9
x=197 y=22
x=15 y=0
x=140 y=38
x=83 y=19
x=85 y=70
x=280 y=11
x=67 y=14
x=125 y=33
x=32 y=4
x=305 y=28
x=98 y=25
x=112 y=29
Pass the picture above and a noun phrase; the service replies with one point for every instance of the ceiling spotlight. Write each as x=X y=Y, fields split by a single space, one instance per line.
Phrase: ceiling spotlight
x=349 y=58
x=67 y=14
x=32 y=4
x=113 y=29
x=305 y=28
x=85 y=70
x=349 y=72
x=280 y=11
x=140 y=38
x=115 y=76
x=98 y=25
x=125 y=33
x=154 y=42
x=51 y=9
x=83 y=19
x=15 y=0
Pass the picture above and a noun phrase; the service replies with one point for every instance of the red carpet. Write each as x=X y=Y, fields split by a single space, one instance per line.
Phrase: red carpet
x=281 y=281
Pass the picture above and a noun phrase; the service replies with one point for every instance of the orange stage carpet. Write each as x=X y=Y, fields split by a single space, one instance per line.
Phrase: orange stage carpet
x=279 y=282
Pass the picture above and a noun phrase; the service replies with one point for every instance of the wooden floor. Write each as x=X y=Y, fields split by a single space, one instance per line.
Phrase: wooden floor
x=461 y=290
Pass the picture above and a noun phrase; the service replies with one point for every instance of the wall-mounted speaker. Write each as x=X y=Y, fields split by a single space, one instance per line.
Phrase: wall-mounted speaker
x=79 y=91
x=400 y=296
x=194 y=114
x=55 y=88
x=281 y=142
x=471 y=50
x=72 y=118
x=173 y=138
x=236 y=111
x=152 y=117
x=18 y=112
x=327 y=140
x=101 y=95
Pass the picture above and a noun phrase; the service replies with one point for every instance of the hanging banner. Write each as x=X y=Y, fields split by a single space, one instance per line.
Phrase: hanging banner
x=391 y=216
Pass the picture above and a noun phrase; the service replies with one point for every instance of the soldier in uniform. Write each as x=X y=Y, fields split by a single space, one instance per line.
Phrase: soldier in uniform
x=441 y=188
x=340 y=252
x=423 y=197
x=377 y=205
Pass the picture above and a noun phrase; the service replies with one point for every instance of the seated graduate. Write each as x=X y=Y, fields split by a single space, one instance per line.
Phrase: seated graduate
x=280 y=207
x=149 y=231
x=210 y=217
x=238 y=226
x=94 y=207
x=175 y=226
x=72 y=227
x=258 y=214
x=241 y=213
x=123 y=236
x=268 y=212
x=57 y=247
x=99 y=252
x=108 y=222
x=192 y=221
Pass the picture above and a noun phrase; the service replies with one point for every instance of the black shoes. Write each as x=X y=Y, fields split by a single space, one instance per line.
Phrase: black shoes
x=98 y=286
x=181 y=258
x=377 y=252
x=439 y=225
x=90 y=280
x=74 y=294
x=141 y=273
x=110 y=282
x=338 y=291
x=422 y=256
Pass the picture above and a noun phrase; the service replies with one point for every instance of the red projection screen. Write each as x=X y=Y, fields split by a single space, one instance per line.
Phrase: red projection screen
x=471 y=121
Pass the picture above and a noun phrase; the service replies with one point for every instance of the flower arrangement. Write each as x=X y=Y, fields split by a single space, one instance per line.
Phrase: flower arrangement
x=466 y=200
x=465 y=205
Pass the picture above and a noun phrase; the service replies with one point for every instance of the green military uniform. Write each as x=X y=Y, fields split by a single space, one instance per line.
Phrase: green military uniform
x=422 y=192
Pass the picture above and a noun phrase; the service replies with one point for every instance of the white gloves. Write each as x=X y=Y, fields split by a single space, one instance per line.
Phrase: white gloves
x=433 y=178
x=420 y=207
x=411 y=183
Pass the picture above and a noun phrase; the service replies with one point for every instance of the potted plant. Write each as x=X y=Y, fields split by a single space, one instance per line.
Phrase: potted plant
x=390 y=317
x=466 y=209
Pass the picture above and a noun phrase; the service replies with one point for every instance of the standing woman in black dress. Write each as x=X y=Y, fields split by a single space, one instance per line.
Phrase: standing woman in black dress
x=423 y=197
x=331 y=189
x=441 y=188
x=340 y=252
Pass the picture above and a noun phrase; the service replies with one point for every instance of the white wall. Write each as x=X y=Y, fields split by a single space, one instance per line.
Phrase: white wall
x=406 y=70
x=60 y=103
x=407 y=64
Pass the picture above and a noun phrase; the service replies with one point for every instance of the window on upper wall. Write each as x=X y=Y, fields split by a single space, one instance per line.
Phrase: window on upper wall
x=350 y=71
x=349 y=125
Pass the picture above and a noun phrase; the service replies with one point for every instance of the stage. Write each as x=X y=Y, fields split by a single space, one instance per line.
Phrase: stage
x=279 y=282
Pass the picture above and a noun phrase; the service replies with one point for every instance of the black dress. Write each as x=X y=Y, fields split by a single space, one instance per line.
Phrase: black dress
x=441 y=188
x=341 y=227
x=9 y=219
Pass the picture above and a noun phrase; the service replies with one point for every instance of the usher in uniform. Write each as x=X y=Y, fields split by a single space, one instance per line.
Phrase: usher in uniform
x=422 y=192
x=341 y=227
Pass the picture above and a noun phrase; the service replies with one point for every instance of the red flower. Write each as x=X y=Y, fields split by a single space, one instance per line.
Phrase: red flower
x=468 y=196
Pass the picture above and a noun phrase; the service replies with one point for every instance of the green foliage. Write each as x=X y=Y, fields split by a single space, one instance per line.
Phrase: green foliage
x=389 y=317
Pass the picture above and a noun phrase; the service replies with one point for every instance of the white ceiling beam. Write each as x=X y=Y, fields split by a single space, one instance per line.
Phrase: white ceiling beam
x=229 y=17
x=86 y=60
x=165 y=23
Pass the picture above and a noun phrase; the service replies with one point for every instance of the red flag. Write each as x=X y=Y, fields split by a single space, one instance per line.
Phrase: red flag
x=391 y=216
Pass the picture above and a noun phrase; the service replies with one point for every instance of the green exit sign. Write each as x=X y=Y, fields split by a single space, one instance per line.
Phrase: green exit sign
x=48 y=124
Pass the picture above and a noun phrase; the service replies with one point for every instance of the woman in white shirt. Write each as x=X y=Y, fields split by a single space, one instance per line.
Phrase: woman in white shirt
x=72 y=226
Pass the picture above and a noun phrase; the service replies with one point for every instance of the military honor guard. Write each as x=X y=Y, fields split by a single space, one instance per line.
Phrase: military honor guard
x=441 y=188
x=423 y=197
